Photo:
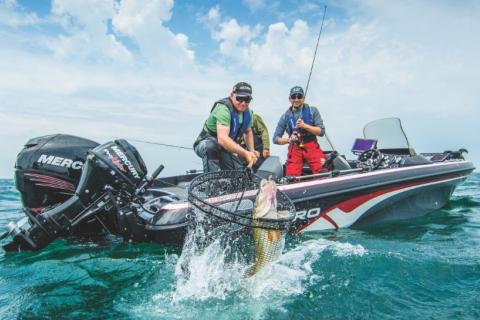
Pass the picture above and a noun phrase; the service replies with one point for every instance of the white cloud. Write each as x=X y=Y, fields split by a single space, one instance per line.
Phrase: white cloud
x=211 y=19
x=282 y=49
x=377 y=65
x=87 y=36
x=254 y=5
x=234 y=37
x=143 y=22
x=12 y=15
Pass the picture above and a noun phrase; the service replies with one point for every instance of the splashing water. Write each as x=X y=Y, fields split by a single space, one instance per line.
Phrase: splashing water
x=213 y=265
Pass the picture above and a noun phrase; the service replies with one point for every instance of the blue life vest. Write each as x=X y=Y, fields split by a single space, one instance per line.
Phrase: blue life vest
x=235 y=128
x=306 y=117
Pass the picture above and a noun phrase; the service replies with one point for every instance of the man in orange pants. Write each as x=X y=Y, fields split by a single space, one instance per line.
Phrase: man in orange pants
x=303 y=124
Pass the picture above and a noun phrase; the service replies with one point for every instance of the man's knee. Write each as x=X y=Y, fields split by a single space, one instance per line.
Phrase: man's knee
x=207 y=148
x=293 y=168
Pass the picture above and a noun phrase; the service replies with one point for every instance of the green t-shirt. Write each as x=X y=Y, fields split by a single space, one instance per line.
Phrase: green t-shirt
x=221 y=115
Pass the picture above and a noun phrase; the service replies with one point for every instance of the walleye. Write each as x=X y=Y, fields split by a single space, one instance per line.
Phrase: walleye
x=268 y=242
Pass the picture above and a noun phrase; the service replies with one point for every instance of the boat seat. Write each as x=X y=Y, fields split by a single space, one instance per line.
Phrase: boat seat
x=334 y=161
x=340 y=163
x=414 y=160
x=271 y=167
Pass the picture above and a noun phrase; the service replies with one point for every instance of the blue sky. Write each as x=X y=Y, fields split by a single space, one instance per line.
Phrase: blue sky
x=151 y=69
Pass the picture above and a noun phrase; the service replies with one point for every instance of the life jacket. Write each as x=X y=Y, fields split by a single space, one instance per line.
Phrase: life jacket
x=236 y=131
x=306 y=117
x=257 y=138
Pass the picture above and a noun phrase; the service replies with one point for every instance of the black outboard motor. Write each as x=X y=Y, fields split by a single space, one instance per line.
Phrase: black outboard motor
x=112 y=176
x=47 y=172
x=48 y=169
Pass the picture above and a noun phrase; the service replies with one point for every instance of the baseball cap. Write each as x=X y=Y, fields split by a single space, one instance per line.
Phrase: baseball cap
x=242 y=89
x=295 y=90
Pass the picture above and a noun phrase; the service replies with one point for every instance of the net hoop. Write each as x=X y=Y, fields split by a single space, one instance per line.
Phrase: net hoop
x=229 y=195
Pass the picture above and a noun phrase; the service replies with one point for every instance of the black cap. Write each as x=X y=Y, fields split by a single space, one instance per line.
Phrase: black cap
x=295 y=90
x=242 y=89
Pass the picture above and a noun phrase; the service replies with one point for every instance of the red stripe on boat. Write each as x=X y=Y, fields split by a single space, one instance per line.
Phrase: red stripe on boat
x=349 y=205
x=329 y=219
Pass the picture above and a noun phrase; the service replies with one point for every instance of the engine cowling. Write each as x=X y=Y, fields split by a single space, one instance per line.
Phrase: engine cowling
x=48 y=169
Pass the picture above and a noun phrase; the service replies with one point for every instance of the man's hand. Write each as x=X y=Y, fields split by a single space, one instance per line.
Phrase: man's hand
x=300 y=124
x=250 y=157
x=266 y=153
x=310 y=128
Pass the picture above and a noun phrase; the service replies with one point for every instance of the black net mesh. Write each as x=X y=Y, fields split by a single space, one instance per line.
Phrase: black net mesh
x=230 y=196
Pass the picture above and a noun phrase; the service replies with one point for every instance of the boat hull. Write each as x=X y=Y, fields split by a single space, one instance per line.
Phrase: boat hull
x=396 y=201
x=355 y=200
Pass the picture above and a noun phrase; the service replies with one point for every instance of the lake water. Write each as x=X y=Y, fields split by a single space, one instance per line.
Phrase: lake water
x=426 y=268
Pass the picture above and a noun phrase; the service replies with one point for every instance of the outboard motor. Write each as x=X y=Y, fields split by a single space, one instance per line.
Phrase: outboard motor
x=112 y=176
x=48 y=169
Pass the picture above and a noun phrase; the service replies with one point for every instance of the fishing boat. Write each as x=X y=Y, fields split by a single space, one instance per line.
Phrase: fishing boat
x=388 y=180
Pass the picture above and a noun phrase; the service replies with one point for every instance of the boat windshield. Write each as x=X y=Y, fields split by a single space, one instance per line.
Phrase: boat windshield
x=389 y=134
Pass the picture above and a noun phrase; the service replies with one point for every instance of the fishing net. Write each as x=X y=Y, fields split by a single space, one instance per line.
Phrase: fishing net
x=230 y=196
x=222 y=207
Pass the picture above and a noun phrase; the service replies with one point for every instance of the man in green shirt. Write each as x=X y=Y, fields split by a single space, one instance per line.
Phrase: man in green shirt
x=219 y=142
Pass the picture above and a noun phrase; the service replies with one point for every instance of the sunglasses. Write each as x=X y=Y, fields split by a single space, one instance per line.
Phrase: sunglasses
x=244 y=99
x=296 y=96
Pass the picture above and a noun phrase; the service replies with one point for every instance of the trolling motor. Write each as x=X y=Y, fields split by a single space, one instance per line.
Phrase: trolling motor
x=113 y=175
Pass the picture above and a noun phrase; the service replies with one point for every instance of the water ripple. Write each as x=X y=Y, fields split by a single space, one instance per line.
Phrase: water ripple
x=427 y=267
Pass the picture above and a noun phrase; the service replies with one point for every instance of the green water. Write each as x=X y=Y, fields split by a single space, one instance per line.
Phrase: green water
x=426 y=268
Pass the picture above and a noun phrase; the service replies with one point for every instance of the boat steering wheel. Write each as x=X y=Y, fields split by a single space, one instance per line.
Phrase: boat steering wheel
x=371 y=158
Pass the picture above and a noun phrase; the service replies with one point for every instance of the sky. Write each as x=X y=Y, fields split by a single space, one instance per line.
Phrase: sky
x=150 y=70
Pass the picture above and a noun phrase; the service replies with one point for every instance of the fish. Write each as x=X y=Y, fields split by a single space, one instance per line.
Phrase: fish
x=268 y=243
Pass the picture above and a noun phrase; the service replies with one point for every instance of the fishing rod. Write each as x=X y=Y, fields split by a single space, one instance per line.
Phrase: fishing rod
x=161 y=144
x=316 y=48
x=313 y=63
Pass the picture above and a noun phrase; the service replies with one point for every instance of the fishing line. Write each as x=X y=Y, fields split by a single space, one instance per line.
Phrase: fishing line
x=316 y=48
x=160 y=144
x=313 y=63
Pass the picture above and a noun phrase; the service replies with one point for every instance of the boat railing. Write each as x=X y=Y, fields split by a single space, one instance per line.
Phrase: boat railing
x=329 y=174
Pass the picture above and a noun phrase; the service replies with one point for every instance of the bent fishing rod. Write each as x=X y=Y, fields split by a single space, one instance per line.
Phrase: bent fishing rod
x=313 y=63
x=316 y=48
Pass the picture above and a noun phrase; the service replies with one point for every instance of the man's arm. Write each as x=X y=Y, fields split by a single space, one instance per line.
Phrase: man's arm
x=317 y=128
x=249 y=140
x=228 y=144
x=279 y=131
x=310 y=128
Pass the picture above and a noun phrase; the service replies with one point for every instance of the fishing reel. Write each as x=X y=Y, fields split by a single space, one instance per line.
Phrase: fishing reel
x=296 y=138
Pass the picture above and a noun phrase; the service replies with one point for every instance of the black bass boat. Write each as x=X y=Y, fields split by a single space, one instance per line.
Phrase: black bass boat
x=388 y=181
